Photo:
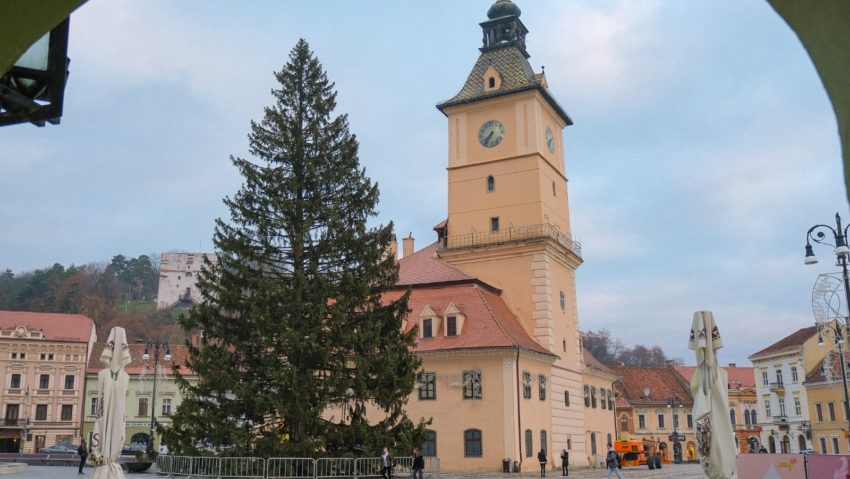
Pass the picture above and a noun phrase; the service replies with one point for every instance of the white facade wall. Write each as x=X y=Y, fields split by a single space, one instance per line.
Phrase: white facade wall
x=178 y=276
x=788 y=420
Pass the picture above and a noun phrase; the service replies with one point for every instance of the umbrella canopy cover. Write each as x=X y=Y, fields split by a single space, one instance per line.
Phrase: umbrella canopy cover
x=112 y=382
x=714 y=434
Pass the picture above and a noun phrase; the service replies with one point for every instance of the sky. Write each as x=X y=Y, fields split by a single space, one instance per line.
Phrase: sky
x=703 y=149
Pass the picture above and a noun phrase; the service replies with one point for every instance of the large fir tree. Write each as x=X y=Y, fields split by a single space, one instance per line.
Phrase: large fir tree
x=296 y=342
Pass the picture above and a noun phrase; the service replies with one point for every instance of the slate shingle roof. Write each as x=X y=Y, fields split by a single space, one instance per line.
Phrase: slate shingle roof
x=516 y=73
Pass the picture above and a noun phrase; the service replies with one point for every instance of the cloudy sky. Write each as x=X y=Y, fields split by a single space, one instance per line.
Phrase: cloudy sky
x=703 y=148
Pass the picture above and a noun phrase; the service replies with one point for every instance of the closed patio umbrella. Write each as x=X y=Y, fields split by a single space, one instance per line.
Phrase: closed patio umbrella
x=108 y=438
x=714 y=434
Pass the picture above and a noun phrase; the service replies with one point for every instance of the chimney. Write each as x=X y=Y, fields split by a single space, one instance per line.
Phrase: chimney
x=407 y=245
x=392 y=249
x=731 y=365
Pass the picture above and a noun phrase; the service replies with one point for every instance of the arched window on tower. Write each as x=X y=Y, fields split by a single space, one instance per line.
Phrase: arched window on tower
x=732 y=416
x=491 y=184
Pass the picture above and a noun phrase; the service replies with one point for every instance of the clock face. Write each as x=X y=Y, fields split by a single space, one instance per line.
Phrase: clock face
x=550 y=140
x=490 y=134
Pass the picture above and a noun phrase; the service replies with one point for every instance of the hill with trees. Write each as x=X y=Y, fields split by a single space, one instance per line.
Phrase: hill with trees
x=612 y=351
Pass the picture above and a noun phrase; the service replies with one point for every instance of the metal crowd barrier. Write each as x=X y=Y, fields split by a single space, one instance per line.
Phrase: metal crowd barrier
x=286 y=467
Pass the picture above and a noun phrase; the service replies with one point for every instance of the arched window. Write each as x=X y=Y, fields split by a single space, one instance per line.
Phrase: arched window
x=472 y=443
x=491 y=184
x=801 y=442
x=429 y=447
x=544 y=444
x=747 y=417
x=732 y=415
x=624 y=423
x=593 y=443
x=786 y=444
x=771 y=445
x=529 y=448
x=492 y=82
x=753 y=420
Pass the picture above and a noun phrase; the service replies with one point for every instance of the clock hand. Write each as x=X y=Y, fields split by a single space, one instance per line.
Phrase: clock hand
x=489 y=136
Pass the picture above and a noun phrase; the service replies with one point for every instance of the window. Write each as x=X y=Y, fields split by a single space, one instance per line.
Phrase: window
x=428 y=386
x=451 y=326
x=166 y=406
x=426 y=328
x=494 y=224
x=609 y=439
x=586 y=396
x=767 y=408
x=472 y=385
x=593 y=443
x=822 y=441
x=611 y=399
x=593 y=397
x=830 y=406
x=624 y=423
x=429 y=447
x=641 y=421
x=492 y=82
x=566 y=398
x=661 y=421
x=798 y=408
x=602 y=399
x=541 y=387
x=794 y=377
x=764 y=378
x=12 y=411
x=14 y=355
x=93 y=410
x=67 y=412
x=747 y=417
x=44 y=381
x=564 y=342
x=544 y=444
x=472 y=443
x=41 y=412
x=491 y=184
x=50 y=357
x=819 y=411
x=563 y=301
x=526 y=385
x=23 y=355
x=690 y=421
x=676 y=421
x=782 y=406
x=779 y=377
x=835 y=446
x=553 y=189
x=69 y=381
x=529 y=447
x=143 y=406
x=732 y=416
x=15 y=381
x=753 y=417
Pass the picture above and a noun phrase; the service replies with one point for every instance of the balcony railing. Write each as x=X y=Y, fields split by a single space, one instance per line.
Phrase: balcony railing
x=777 y=386
x=12 y=421
x=513 y=234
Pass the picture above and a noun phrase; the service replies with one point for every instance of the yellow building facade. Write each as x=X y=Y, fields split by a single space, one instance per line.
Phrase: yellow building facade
x=494 y=297
x=827 y=418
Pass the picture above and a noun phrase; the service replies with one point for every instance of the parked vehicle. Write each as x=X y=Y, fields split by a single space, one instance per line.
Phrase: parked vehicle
x=132 y=449
x=59 y=449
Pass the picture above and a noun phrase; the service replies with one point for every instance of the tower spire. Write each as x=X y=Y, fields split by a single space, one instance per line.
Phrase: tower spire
x=503 y=27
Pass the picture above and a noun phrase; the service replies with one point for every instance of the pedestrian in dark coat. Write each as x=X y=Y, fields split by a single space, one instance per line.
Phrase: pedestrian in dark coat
x=418 y=464
x=565 y=463
x=83 y=452
x=541 y=457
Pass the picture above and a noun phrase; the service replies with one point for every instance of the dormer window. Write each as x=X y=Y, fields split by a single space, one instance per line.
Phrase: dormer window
x=426 y=328
x=492 y=80
x=453 y=321
x=451 y=326
x=429 y=323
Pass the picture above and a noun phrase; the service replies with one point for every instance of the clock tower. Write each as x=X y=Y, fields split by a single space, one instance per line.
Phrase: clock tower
x=508 y=214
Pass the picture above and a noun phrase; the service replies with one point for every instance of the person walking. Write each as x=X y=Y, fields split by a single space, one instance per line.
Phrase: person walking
x=386 y=465
x=418 y=463
x=612 y=463
x=541 y=457
x=565 y=463
x=83 y=452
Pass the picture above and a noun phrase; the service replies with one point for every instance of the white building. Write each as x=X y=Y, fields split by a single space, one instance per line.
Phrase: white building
x=178 y=276
x=780 y=370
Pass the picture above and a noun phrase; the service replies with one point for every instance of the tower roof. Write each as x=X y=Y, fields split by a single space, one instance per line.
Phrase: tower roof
x=504 y=51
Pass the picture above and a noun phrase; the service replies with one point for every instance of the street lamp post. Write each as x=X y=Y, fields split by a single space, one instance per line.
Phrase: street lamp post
x=817 y=234
x=157 y=347
x=673 y=403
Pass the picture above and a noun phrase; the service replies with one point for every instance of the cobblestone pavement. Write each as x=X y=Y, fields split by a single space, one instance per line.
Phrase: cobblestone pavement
x=672 y=471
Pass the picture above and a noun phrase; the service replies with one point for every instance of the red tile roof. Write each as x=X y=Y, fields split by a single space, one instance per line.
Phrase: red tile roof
x=830 y=364
x=736 y=375
x=591 y=361
x=178 y=356
x=423 y=267
x=54 y=326
x=789 y=342
x=663 y=383
x=488 y=323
